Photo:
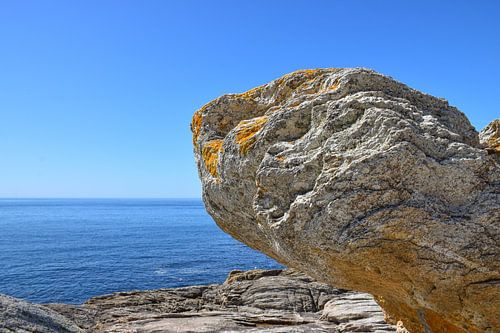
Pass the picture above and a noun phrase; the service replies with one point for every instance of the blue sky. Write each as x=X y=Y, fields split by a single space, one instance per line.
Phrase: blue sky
x=96 y=97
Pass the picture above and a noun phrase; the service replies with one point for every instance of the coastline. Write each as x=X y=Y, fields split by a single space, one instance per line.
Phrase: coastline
x=248 y=301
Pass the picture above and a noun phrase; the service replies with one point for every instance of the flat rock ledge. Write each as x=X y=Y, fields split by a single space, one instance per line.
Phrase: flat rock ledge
x=248 y=301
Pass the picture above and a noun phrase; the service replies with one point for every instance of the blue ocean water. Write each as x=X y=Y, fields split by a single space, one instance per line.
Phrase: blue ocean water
x=68 y=250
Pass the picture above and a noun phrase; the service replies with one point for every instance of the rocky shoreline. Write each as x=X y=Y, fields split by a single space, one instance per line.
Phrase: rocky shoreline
x=248 y=301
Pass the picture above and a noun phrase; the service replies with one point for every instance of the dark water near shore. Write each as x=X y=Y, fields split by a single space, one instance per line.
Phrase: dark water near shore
x=68 y=250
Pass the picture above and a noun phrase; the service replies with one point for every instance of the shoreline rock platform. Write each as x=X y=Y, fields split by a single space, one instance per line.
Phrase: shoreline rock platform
x=248 y=301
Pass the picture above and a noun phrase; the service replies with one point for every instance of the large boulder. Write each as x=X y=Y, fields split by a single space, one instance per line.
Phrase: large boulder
x=364 y=183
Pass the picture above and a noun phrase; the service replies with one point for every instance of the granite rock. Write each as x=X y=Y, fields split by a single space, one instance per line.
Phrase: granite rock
x=490 y=137
x=362 y=183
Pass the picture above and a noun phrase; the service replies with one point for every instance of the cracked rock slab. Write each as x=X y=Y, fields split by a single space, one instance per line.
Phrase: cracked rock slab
x=363 y=183
x=257 y=301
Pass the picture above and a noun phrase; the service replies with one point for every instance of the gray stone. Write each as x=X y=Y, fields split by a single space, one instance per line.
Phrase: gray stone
x=365 y=184
x=258 y=301
x=22 y=317
x=252 y=301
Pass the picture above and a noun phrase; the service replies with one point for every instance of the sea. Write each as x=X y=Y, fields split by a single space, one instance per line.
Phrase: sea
x=68 y=250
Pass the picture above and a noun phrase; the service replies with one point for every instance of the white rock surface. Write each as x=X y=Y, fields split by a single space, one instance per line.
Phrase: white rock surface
x=363 y=183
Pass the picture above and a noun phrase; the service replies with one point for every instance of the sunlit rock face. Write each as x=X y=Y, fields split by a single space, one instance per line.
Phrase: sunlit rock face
x=490 y=136
x=363 y=183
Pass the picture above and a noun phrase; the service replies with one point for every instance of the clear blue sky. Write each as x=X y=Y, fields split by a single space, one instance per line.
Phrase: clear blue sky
x=96 y=97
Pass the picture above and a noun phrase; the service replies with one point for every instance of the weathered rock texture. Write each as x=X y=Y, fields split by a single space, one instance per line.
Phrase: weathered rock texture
x=490 y=136
x=255 y=301
x=252 y=301
x=363 y=183
x=22 y=317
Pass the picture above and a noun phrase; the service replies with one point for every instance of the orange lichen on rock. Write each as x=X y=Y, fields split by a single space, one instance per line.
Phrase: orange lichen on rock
x=494 y=140
x=246 y=131
x=490 y=136
x=308 y=72
x=210 y=155
x=335 y=85
x=251 y=94
x=196 y=125
x=304 y=75
x=298 y=81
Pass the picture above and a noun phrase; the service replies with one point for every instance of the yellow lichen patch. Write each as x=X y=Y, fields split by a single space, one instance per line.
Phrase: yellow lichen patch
x=210 y=155
x=246 y=131
x=307 y=75
x=250 y=94
x=335 y=85
x=298 y=80
x=308 y=72
x=494 y=142
x=306 y=82
x=492 y=132
x=196 y=126
x=197 y=120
